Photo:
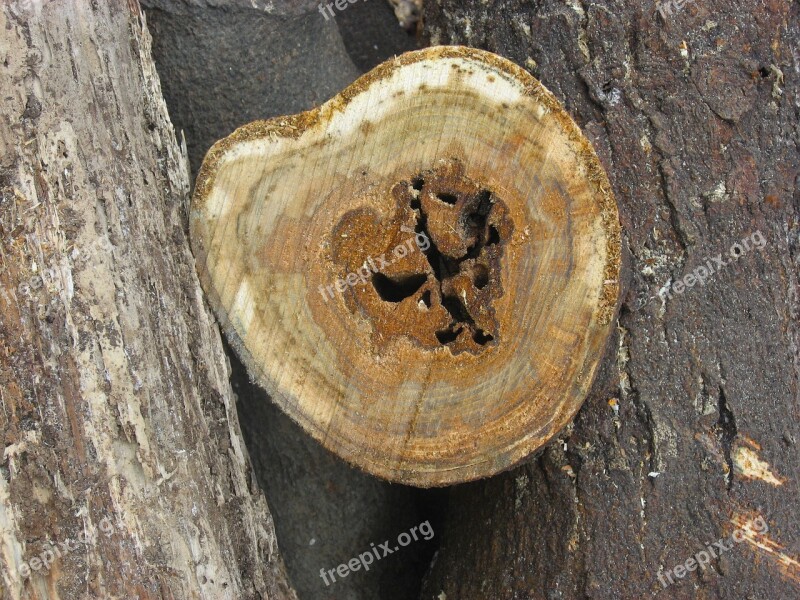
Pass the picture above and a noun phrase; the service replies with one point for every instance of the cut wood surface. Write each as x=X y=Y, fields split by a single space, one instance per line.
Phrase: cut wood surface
x=422 y=272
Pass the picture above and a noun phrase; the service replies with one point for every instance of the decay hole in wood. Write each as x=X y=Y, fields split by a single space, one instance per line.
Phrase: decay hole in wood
x=453 y=274
x=470 y=222
x=481 y=276
x=482 y=338
x=448 y=336
x=416 y=188
x=494 y=236
x=476 y=221
x=450 y=199
x=442 y=265
x=397 y=289
x=484 y=204
x=457 y=310
x=426 y=298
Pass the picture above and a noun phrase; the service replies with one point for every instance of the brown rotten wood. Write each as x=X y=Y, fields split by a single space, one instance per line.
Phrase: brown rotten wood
x=423 y=271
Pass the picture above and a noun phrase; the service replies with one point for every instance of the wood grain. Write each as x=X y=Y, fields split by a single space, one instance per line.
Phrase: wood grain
x=472 y=346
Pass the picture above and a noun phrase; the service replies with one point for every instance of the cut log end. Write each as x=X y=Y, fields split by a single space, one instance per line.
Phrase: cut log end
x=423 y=271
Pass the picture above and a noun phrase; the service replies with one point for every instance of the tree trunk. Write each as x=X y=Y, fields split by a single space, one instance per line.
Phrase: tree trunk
x=124 y=473
x=691 y=436
x=116 y=407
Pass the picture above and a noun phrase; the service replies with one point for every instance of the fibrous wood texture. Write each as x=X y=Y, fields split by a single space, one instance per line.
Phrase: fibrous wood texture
x=115 y=405
x=423 y=271
x=693 y=430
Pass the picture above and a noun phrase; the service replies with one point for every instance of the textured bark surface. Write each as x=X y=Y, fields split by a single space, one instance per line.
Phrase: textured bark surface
x=693 y=431
x=117 y=411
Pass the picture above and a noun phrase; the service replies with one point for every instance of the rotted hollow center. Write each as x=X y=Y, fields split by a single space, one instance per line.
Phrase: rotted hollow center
x=433 y=271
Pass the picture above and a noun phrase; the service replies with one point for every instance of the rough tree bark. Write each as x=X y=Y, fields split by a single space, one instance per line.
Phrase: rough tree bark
x=115 y=401
x=115 y=406
x=693 y=431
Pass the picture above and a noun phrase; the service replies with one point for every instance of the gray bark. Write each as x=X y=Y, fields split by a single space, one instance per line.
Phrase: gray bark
x=116 y=410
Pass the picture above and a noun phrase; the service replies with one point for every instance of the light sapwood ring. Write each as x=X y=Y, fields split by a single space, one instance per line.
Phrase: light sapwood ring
x=443 y=365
